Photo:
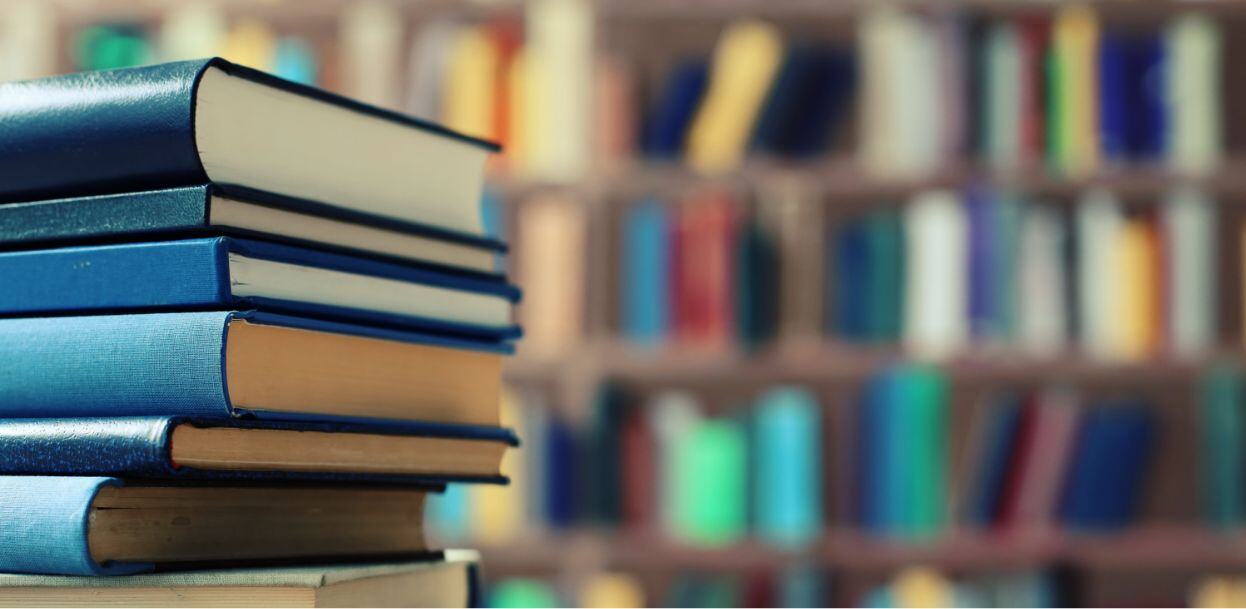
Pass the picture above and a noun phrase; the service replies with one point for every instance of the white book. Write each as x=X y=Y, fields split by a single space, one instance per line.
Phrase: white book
x=1193 y=93
x=1043 y=319
x=1187 y=223
x=935 y=304
x=427 y=64
x=1100 y=222
x=878 y=40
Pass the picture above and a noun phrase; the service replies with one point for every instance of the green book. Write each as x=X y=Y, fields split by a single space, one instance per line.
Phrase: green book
x=1221 y=441
x=710 y=502
x=925 y=419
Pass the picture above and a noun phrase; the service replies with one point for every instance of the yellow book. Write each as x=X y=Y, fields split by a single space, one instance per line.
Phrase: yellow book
x=497 y=511
x=28 y=40
x=612 y=590
x=1135 y=317
x=1076 y=40
x=745 y=61
x=558 y=88
x=518 y=136
x=922 y=587
x=467 y=103
x=250 y=43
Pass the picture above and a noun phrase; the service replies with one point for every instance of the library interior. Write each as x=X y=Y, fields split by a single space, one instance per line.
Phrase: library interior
x=824 y=303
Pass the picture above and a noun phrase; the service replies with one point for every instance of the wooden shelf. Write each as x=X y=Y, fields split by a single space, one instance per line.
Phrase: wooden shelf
x=830 y=364
x=842 y=9
x=837 y=180
x=1146 y=548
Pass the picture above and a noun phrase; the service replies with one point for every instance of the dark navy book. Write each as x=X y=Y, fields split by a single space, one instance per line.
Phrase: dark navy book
x=210 y=209
x=210 y=121
x=169 y=447
x=230 y=273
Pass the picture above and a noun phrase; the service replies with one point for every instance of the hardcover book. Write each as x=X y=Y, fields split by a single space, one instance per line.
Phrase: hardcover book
x=452 y=582
x=177 y=447
x=229 y=273
x=221 y=364
x=211 y=209
x=68 y=525
x=211 y=121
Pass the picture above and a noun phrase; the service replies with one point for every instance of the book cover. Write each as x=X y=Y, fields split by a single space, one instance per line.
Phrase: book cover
x=787 y=478
x=646 y=270
x=141 y=447
x=217 y=273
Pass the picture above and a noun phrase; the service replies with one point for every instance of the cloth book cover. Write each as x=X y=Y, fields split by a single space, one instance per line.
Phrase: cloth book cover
x=197 y=274
x=166 y=364
x=134 y=129
x=150 y=214
x=141 y=447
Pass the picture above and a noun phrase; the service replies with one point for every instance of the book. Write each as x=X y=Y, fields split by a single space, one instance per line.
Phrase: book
x=28 y=40
x=746 y=58
x=470 y=80
x=668 y=120
x=787 y=478
x=211 y=209
x=702 y=261
x=250 y=42
x=71 y=525
x=646 y=273
x=550 y=244
x=1221 y=447
x=1075 y=38
x=1193 y=90
x=226 y=272
x=370 y=36
x=709 y=465
x=452 y=582
x=935 y=275
x=1098 y=225
x=178 y=447
x=221 y=364
x=210 y=120
x=1187 y=220
x=1042 y=318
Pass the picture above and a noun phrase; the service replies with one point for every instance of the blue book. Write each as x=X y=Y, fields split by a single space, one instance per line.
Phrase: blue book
x=788 y=467
x=851 y=268
x=229 y=273
x=97 y=525
x=646 y=274
x=668 y=124
x=211 y=121
x=211 y=209
x=222 y=364
x=1147 y=126
x=232 y=449
x=1114 y=97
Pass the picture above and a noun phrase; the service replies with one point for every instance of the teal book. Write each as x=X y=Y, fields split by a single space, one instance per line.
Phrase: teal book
x=884 y=286
x=646 y=273
x=1221 y=442
x=925 y=399
x=787 y=477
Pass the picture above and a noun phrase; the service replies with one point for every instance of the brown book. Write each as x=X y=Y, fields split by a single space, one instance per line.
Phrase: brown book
x=167 y=525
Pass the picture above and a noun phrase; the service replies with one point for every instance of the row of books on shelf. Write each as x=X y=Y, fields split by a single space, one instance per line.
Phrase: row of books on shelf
x=226 y=356
x=788 y=467
x=938 y=274
x=1059 y=88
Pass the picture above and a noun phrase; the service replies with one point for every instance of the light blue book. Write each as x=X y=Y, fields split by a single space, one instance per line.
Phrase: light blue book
x=787 y=488
x=646 y=267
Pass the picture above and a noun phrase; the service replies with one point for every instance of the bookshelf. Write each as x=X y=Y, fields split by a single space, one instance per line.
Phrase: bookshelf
x=650 y=36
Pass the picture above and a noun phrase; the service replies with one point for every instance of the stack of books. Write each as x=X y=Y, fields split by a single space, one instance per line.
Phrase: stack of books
x=246 y=327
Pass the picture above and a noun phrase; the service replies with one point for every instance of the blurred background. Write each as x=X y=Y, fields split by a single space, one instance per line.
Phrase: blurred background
x=935 y=302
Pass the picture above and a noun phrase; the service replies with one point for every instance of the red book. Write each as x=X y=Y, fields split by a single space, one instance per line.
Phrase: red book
x=1034 y=38
x=704 y=291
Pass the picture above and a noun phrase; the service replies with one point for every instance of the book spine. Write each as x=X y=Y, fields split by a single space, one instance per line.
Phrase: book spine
x=114 y=365
x=46 y=522
x=103 y=132
x=133 y=446
x=101 y=217
x=181 y=274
